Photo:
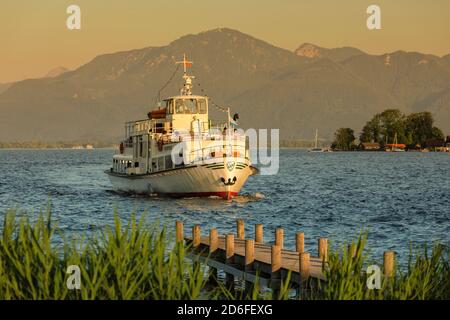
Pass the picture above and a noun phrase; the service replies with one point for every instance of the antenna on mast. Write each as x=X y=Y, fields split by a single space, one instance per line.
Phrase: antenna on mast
x=186 y=63
x=187 y=88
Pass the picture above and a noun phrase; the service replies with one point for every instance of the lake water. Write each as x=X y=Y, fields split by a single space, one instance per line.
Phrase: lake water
x=400 y=198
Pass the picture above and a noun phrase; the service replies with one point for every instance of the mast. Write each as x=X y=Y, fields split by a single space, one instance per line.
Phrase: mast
x=315 y=144
x=395 y=142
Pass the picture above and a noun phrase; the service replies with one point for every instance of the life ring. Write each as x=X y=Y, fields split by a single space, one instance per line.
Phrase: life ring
x=121 y=148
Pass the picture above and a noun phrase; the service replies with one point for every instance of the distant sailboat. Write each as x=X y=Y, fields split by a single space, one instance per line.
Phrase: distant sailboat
x=395 y=146
x=316 y=146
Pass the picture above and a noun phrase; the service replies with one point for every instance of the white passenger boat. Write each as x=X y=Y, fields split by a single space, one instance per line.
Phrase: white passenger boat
x=179 y=151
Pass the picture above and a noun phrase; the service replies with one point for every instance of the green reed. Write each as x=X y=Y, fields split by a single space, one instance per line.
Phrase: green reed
x=426 y=277
x=123 y=262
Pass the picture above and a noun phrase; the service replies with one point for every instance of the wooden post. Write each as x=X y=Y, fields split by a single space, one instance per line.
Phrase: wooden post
x=275 y=279
x=213 y=246
x=229 y=256
x=389 y=263
x=229 y=247
x=196 y=244
x=275 y=258
x=249 y=254
x=240 y=229
x=179 y=231
x=304 y=272
x=249 y=259
x=300 y=242
x=279 y=237
x=323 y=249
x=259 y=233
x=304 y=264
x=196 y=236
x=213 y=240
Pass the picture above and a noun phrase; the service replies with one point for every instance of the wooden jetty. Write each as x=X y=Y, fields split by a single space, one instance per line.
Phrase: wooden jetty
x=253 y=260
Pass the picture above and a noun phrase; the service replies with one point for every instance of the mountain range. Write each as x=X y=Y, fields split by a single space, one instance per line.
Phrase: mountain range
x=56 y=72
x=270 y=87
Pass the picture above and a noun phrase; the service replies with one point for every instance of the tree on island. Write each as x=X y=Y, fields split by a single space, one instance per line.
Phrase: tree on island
x=414 y=129
x=344 y=139
x=384 y=126
x=371 y=132
x=420 y=128
x=437 y=133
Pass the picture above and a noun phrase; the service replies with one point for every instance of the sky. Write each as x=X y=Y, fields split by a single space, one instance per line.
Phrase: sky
x=34 y=38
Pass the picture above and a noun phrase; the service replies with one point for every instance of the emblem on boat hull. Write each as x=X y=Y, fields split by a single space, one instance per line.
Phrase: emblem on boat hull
x=231 y=165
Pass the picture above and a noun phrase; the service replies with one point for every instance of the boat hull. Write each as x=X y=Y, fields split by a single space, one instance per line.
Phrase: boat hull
x=205 y=180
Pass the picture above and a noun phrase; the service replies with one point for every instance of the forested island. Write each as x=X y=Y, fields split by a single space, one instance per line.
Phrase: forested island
x=393 y=129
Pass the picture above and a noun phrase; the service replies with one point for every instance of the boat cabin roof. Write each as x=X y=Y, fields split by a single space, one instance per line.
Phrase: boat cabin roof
x=185 y=97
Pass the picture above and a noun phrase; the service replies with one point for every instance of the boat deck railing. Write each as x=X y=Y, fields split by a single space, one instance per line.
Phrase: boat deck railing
x=145 y=126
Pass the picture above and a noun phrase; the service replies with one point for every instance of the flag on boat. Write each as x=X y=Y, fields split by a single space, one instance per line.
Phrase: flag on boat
x=232 y=122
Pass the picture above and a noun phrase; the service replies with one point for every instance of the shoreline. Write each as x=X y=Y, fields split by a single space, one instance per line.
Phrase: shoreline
x=100 y=148
x=281 y=148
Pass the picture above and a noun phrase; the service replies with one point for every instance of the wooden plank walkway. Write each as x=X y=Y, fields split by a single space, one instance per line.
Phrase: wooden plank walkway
x=253 y=261
x=262 y=254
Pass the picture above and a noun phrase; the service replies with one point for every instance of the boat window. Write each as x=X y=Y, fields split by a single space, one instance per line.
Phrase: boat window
x=169 y=106
x=191 y=105
x=186 y=106
x=179 y=106
x=202 y=105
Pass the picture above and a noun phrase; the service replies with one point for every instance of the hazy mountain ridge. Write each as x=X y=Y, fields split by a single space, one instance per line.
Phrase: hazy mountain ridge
x=4 y=86
x=55 y=72
x=312 y=51
x=270 y=87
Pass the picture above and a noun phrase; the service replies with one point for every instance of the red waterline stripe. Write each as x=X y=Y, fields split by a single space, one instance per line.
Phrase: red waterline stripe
x=222 y=194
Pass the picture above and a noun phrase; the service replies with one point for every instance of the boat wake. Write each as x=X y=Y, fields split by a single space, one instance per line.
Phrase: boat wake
x=243 y=198
x=129 y=194
x=249 y=197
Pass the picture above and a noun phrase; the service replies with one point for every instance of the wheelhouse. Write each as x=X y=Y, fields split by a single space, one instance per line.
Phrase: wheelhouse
x=187 y=105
